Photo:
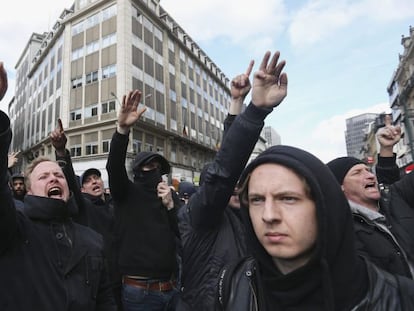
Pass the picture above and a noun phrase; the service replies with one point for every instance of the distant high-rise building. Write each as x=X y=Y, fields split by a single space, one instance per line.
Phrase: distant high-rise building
x=98 y=51
x=271 y=136
x=355 y=133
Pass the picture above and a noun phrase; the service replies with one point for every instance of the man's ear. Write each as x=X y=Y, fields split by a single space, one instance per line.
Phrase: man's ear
x=342 y=187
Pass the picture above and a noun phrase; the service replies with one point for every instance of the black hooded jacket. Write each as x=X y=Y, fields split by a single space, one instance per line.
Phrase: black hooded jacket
x=212 y=234
x=335 y=278
x=47 y=262
x=145 y=230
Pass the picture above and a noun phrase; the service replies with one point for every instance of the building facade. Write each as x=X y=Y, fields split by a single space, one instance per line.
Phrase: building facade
x=99 y=50
x=401 y=98
x=272 y=137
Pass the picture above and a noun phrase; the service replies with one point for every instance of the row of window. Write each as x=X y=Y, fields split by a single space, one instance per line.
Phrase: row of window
x=91 y=111
x=138 y=146
x=94 y=19
x=94 y=46
x=90 y=77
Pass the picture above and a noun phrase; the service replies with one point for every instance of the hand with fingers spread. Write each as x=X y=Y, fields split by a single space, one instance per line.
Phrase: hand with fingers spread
x=269 y=83
x=59 y=139
x=3 y=81
x=240 y=85
x=129 y=112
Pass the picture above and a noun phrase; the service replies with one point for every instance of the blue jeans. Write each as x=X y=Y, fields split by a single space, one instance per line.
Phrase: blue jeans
x=140 y=299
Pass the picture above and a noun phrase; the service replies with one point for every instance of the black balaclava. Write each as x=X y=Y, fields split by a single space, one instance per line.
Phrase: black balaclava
x=335 y=278
x=149 y=179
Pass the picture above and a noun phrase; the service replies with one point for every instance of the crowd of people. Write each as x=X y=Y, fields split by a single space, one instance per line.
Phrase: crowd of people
x=283 y=232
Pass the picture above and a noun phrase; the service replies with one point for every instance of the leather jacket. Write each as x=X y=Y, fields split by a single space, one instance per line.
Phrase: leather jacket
x=237 y=289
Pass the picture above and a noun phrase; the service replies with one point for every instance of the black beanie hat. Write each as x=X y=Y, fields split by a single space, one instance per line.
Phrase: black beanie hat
x=341 y=166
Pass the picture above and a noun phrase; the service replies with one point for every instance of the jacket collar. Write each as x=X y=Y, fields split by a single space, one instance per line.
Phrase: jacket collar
x=42 y=208
x=367 y=213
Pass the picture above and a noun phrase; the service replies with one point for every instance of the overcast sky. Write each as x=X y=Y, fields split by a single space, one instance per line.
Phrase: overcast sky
x=340 y=54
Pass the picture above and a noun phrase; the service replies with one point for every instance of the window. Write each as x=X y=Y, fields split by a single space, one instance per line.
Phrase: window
x=109 y=12
x=93 y=20
x=76 y=115
x=76 y=151
x=91 y=77
x=78 y=28
x=108 y=106
x=105 y=146
x=160 y=150
x=91 y=111
x=76 y=54
x=92 y=47
x=160 y=117
x=173 y=125
x=137 y=146
x=108 y=40
x=108 y=71
x=149 y=113
x=173 y=95
x=91 y=148
x=170 y=44
x=76 y=82
x=149 y=147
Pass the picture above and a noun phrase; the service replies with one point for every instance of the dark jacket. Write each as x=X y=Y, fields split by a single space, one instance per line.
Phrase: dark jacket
x=47 y=262
x=390 y=252
x=238 y=289
x=145 y=230
x=334 y=278
x=212 y=234
x=97 y=214
x=387 y=170
x=93 y=212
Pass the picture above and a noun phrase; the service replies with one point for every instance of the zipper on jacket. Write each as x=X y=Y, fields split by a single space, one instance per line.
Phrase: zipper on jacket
x=67 y=236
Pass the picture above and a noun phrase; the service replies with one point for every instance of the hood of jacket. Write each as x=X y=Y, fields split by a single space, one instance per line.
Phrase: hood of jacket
x=335 y=277
x=147 y=156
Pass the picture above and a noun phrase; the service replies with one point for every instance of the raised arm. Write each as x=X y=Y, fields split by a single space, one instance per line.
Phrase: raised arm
x=269 y=83
x=128 y=114
x=388 y=136
x=269 y=89
x=8 y=224
x=3 y=81
x=59 y=141
x=239 y=88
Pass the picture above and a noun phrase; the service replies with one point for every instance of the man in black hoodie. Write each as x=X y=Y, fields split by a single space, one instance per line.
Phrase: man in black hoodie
x=145 y=219
x=211 y=231
x=300 y=232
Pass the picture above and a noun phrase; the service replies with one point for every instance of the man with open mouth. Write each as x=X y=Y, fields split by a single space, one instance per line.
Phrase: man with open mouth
x=47 y=261
x=383 y=219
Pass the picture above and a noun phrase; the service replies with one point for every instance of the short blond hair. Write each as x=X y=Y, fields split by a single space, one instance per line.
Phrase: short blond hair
x=29 y=169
